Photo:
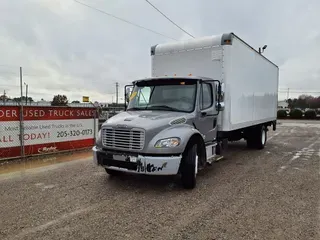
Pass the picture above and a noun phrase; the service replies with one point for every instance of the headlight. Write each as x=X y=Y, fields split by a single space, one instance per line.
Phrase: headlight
x=167 y=143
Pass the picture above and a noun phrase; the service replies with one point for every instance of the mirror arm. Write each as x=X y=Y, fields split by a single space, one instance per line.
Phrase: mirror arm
x=125 y=95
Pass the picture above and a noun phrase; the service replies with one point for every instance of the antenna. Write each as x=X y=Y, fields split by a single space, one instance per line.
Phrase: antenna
x=263 y=48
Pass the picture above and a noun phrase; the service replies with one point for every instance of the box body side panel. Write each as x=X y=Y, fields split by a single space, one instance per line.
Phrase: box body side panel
x=252 y=87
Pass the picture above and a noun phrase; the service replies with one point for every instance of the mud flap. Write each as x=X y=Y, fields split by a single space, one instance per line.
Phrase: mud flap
x=222 y=147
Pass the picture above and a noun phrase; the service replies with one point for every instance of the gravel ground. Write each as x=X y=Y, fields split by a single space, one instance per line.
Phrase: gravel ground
x=267 y=194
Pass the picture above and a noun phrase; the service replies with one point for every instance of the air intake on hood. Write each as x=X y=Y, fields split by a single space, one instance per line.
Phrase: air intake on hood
x=178 y=121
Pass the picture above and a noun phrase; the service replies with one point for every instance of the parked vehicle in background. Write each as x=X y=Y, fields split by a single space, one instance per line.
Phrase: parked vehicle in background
x=203 y=93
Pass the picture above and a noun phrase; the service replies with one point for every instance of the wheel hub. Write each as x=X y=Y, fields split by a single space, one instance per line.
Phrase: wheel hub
x=196 y=166
x=263 y=137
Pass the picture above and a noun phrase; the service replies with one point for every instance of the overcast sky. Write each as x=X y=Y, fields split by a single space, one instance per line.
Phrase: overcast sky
x=67 y=48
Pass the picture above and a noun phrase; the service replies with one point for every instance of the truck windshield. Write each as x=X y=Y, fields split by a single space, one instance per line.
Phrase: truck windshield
x=176 y=96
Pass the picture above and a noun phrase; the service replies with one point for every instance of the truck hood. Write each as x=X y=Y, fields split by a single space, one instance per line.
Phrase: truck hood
x=147 y=119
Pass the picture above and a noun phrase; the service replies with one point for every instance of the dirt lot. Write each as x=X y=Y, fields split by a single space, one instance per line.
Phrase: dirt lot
x=268 y=194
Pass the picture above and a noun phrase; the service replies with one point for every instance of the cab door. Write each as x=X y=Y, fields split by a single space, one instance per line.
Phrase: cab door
x=206 y=121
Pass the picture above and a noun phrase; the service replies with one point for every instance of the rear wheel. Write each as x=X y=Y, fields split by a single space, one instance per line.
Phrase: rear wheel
x=189 y=168
x=262 y=137
x=257 y=137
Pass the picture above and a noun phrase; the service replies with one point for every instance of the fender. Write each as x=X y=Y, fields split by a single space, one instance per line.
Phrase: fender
x=182 y=131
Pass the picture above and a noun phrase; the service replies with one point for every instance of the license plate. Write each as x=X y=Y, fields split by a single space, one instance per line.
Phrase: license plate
x=125 y=158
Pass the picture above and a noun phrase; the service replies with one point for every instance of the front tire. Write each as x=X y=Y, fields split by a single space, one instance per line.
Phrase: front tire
x=189 y=167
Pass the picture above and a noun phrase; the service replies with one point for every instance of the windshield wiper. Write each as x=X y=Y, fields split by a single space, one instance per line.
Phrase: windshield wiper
x=154 y=87
x=164 y=107
x=135 y=108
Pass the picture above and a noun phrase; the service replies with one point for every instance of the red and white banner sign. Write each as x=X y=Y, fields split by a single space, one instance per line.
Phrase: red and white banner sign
x=46 y=129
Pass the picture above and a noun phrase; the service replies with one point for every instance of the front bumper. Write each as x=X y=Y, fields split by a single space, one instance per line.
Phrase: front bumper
x=149 y=165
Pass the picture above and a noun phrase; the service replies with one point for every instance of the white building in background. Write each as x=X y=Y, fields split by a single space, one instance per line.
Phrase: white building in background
x=283 y=104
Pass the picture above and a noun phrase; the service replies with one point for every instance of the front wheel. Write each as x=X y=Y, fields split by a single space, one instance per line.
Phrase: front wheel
x=189 y=167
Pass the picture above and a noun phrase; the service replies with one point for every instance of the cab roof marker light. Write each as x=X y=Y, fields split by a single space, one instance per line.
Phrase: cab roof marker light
x=227 y=42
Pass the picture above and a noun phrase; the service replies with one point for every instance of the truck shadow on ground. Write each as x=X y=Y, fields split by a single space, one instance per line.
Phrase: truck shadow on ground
x=133 y=182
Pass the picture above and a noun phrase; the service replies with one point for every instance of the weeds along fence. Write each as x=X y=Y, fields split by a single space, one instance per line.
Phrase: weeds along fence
x=36 y=130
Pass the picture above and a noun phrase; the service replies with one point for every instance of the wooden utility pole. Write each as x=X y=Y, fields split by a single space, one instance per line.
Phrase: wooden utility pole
x=4 y=97
x=26 y=94
x=117 y=93
x=21 y=116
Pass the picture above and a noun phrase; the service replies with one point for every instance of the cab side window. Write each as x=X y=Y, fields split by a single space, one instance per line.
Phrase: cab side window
x=206 y=100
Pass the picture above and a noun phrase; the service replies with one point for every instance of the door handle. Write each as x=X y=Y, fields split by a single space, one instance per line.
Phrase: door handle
x=203 y=114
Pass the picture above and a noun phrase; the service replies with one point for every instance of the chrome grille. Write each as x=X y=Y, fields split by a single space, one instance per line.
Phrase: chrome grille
x=123 y=138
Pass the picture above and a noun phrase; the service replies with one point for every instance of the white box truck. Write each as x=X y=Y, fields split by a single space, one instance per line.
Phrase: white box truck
x=203 y=93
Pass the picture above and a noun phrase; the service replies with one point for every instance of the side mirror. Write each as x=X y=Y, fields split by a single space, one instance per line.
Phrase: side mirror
x=219 y=91
x=219 y=106
x=220 y=97
x=128 y=92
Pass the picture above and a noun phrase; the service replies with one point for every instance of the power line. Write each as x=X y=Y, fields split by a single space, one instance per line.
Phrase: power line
x=126 y=21
x=157 y=9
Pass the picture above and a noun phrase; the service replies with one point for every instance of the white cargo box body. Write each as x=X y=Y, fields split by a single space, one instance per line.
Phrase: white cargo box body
x=250 y=80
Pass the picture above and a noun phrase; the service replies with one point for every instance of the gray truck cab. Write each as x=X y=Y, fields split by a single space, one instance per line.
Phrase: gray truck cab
x=169 y=127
